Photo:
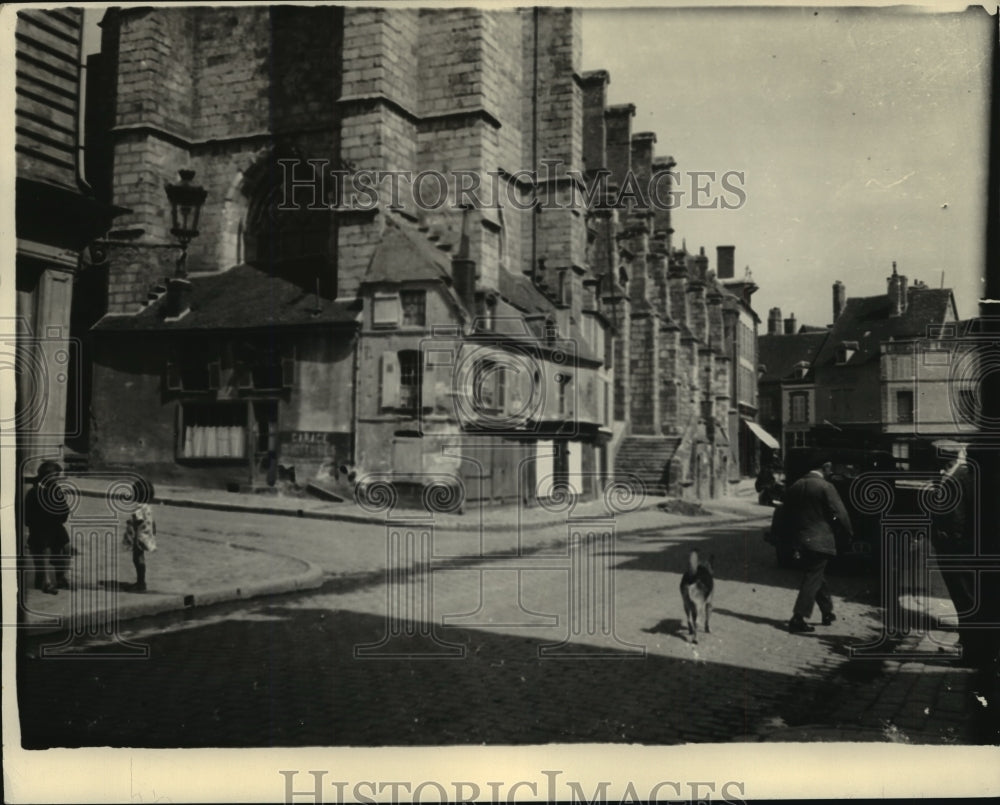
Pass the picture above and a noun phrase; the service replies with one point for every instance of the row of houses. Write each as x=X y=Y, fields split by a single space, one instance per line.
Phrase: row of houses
x=895 y=372
x=553 y=336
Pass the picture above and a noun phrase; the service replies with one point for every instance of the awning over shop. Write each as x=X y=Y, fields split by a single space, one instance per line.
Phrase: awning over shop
x=762 y=434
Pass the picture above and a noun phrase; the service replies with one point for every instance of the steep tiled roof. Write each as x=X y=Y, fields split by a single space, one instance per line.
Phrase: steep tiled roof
x=240 y=298
x=780 y=353
x=406 y=254
x=866 y=320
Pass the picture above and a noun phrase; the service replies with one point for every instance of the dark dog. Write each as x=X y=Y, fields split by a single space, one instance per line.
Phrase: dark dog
x=697 y=586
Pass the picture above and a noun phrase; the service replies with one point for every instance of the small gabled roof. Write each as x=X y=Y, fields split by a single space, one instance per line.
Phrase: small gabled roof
x=866 y=320
x=780 y=354
x=404 y=254
x=244 y=297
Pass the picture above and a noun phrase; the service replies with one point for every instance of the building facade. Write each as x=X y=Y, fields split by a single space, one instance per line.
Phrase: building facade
x=882 y=376
x=347 y=314
x=56 y=217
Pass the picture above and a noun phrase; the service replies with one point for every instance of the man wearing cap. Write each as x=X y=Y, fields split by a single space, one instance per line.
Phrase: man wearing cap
x=813 y=511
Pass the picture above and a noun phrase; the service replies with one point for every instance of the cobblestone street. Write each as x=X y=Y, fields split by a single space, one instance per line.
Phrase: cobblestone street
x=316 y=668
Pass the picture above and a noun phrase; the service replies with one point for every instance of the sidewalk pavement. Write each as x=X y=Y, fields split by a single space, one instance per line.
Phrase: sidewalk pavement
x=228 y=569
x=740 y=503
x=920 y=695
x=183 y=572
x=922 y=700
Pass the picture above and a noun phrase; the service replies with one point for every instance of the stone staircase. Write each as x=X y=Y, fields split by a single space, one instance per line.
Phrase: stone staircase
x=647 y=458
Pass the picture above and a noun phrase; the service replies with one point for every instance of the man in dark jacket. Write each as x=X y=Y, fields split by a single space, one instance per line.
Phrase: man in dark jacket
x=45 y=512
x=813 y=512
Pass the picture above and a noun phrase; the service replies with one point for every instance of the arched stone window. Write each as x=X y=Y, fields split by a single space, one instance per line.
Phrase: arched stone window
x=287 y=230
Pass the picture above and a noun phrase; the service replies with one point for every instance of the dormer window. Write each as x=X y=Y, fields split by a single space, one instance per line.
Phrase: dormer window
x=846 y=351
x=801 y=370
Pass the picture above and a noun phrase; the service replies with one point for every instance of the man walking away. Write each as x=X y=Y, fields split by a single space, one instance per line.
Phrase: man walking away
x=813 y=514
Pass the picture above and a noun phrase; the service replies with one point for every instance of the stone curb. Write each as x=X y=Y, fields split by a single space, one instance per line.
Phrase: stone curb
x=157 y=604
x=366 y=520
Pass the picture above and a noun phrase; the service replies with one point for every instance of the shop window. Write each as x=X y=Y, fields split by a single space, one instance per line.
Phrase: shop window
x=212 y=431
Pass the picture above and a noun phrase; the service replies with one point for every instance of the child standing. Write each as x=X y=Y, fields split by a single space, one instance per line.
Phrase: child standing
x=140 y=532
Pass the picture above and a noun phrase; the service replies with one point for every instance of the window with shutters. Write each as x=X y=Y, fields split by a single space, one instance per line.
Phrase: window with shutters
x=212 y=431
x=264 y=365
x=192 y=367
x=401 y=380
x=385 y=310
x=409 y=381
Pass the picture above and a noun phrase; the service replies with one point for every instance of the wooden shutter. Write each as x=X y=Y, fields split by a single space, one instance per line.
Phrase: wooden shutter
x=389 y=387
x=429 y=381
x=287 y=372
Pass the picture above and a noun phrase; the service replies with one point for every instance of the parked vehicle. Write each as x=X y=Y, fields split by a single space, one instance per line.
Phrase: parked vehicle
x=770 y=485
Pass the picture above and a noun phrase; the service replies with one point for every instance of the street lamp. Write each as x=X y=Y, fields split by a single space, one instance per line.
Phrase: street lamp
x=186 y=200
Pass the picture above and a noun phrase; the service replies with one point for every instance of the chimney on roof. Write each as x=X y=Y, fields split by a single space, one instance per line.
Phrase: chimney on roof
x=774 y=321
x=839 y=299
x=896 y=292
x=790 y=325
x=725 y=258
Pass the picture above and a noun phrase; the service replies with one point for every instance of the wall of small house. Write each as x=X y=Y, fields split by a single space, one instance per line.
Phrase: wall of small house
x=388 y=440
x=316 y=424
x=865 y=393
x=134 y=418
x=936 y=385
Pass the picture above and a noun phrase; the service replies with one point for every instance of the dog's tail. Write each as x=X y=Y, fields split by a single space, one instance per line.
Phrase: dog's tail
x=693 y=561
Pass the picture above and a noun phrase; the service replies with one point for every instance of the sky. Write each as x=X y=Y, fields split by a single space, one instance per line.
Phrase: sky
x=861 y=134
